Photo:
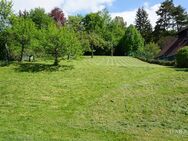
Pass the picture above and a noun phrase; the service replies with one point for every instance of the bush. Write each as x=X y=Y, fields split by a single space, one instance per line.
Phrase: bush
x=150 y=51
x=159 y=62
x=182 y=58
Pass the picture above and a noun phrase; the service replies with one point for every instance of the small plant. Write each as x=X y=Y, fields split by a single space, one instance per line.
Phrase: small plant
x=182 y=58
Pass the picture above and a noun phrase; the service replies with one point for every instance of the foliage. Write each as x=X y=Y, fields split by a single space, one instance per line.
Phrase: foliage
x=75 y=23
x=95 y=32
x=149 y=51
x=58 y=15
x=40 y=18
x=93 y=26
x=70 y=42
x=52 y=41
x=115 y=32
x=132 y=40
x=182 y=58
x=180 y=17
x=171 y=19
x=5 y=14
x=143 y=24
x=22 y=33
x=107 y=31
x=156 y=61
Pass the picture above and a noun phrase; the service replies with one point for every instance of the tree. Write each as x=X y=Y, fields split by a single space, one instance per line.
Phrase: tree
x=143 y=24
x=58 y=15
x=149 y=51
x=75 y=23
x=92 y=24
x=171 y=19
x=51 y=42
x=132 y=40
x=105 y=32
x=165 y=22
x=40 y=18
x=116 y=31
x=70 y=42
x=180 y=17
x=22 y=32
x=5 y=14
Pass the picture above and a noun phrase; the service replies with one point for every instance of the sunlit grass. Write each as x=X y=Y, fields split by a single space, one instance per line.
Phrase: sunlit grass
x=105 y=98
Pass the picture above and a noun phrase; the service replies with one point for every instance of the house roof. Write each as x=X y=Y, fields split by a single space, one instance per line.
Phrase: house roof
x=177 y=43
x=183 y=29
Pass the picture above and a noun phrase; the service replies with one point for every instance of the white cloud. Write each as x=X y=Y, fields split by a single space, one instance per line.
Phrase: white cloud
x=29 y=4
x=72 y=6
x=69 y=6
x=129 y=16
x=77 y=6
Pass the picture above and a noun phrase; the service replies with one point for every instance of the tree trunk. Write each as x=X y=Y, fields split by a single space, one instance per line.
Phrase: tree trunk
x=7 y=53
x=56 y=63
x=92 y=53
x=112 y=51
x=22 y=52
x=68 y=57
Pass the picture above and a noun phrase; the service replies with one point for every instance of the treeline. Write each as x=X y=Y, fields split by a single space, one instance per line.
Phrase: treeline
x=41 y=34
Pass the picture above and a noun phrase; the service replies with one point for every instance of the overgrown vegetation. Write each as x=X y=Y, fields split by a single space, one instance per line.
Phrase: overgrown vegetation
x=182 y=58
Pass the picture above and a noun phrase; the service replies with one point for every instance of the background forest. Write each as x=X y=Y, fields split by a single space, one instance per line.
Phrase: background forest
x=40 y=34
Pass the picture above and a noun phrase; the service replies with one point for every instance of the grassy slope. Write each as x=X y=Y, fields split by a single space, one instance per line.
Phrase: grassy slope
x=105 y=98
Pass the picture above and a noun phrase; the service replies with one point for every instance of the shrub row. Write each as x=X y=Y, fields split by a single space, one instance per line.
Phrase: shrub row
x=159 y=62
x=182 y=58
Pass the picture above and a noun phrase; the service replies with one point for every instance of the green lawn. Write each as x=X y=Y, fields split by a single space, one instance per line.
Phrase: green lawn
x=100 y=99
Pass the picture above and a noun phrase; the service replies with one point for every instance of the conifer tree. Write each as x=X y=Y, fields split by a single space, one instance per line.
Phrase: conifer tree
x=143 y=24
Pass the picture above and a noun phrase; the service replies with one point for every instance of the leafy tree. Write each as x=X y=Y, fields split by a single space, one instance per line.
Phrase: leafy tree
x=75 y=23
x=105 y=33
x=52 y=42
x=40 y=18
x=132 y=40
x=22 y=31
x=92 y=24
x=58 y=15
x=5 y=14
x=61 y=41
x=143 y=24
x=70 y=42
x=118 y=30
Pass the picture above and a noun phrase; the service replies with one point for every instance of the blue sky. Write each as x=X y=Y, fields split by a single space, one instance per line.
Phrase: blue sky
x=125 y=8
x=122 y=5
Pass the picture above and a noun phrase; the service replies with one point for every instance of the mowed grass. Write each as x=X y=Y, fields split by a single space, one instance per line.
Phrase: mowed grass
x=99 y=99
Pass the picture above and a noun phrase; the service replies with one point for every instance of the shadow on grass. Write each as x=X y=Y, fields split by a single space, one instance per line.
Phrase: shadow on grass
x=37 y=67
x=182 y=69
x=178 y=69
x=5 y=64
